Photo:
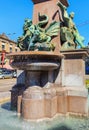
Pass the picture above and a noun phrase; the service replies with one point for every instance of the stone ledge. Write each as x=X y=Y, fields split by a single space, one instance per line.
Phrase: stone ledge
x=71 y=91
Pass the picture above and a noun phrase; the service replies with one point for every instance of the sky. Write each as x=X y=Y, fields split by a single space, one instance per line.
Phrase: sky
x=13 y=13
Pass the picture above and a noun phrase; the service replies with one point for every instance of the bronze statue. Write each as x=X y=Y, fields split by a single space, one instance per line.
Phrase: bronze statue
x=37 y=37
x=70 y=36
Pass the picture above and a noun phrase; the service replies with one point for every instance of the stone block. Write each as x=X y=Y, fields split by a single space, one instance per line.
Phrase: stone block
x=50 y=103
x=78 y=105
x=62 y=104
x=32 y=109
x=33 y=103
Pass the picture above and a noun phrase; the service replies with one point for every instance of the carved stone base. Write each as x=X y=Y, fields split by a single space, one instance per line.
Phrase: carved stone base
x=39 y=103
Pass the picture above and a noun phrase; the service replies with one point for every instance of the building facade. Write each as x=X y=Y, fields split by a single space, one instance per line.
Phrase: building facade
x=6 y=46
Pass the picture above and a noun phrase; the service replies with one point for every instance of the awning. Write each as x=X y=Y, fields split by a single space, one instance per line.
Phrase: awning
x=7 y=66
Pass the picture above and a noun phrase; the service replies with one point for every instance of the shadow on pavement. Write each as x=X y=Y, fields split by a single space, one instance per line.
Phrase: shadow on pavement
x=6 y=106
x=63 y=127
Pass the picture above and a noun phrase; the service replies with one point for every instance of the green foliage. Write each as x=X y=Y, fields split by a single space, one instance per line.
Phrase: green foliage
x=87 y=83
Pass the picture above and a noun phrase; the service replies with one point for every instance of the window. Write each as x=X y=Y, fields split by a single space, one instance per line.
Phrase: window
x=3 y=47
x=15 y=50
x=10 y=44
x=10 y=49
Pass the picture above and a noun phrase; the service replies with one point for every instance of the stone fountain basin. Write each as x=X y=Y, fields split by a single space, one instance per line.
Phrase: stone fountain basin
x=35 y=60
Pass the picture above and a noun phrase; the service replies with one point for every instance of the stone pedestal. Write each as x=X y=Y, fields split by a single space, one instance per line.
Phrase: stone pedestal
x=38 y=99
x=49 y=8
x=52 y=85
x=74 y=68
x=74 y=81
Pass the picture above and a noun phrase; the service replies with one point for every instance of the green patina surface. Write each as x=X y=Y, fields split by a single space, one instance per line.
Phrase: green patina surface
x=70 y=36
x=38 y=37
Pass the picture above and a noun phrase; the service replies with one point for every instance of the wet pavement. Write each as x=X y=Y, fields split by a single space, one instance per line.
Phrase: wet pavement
x=10 y=121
